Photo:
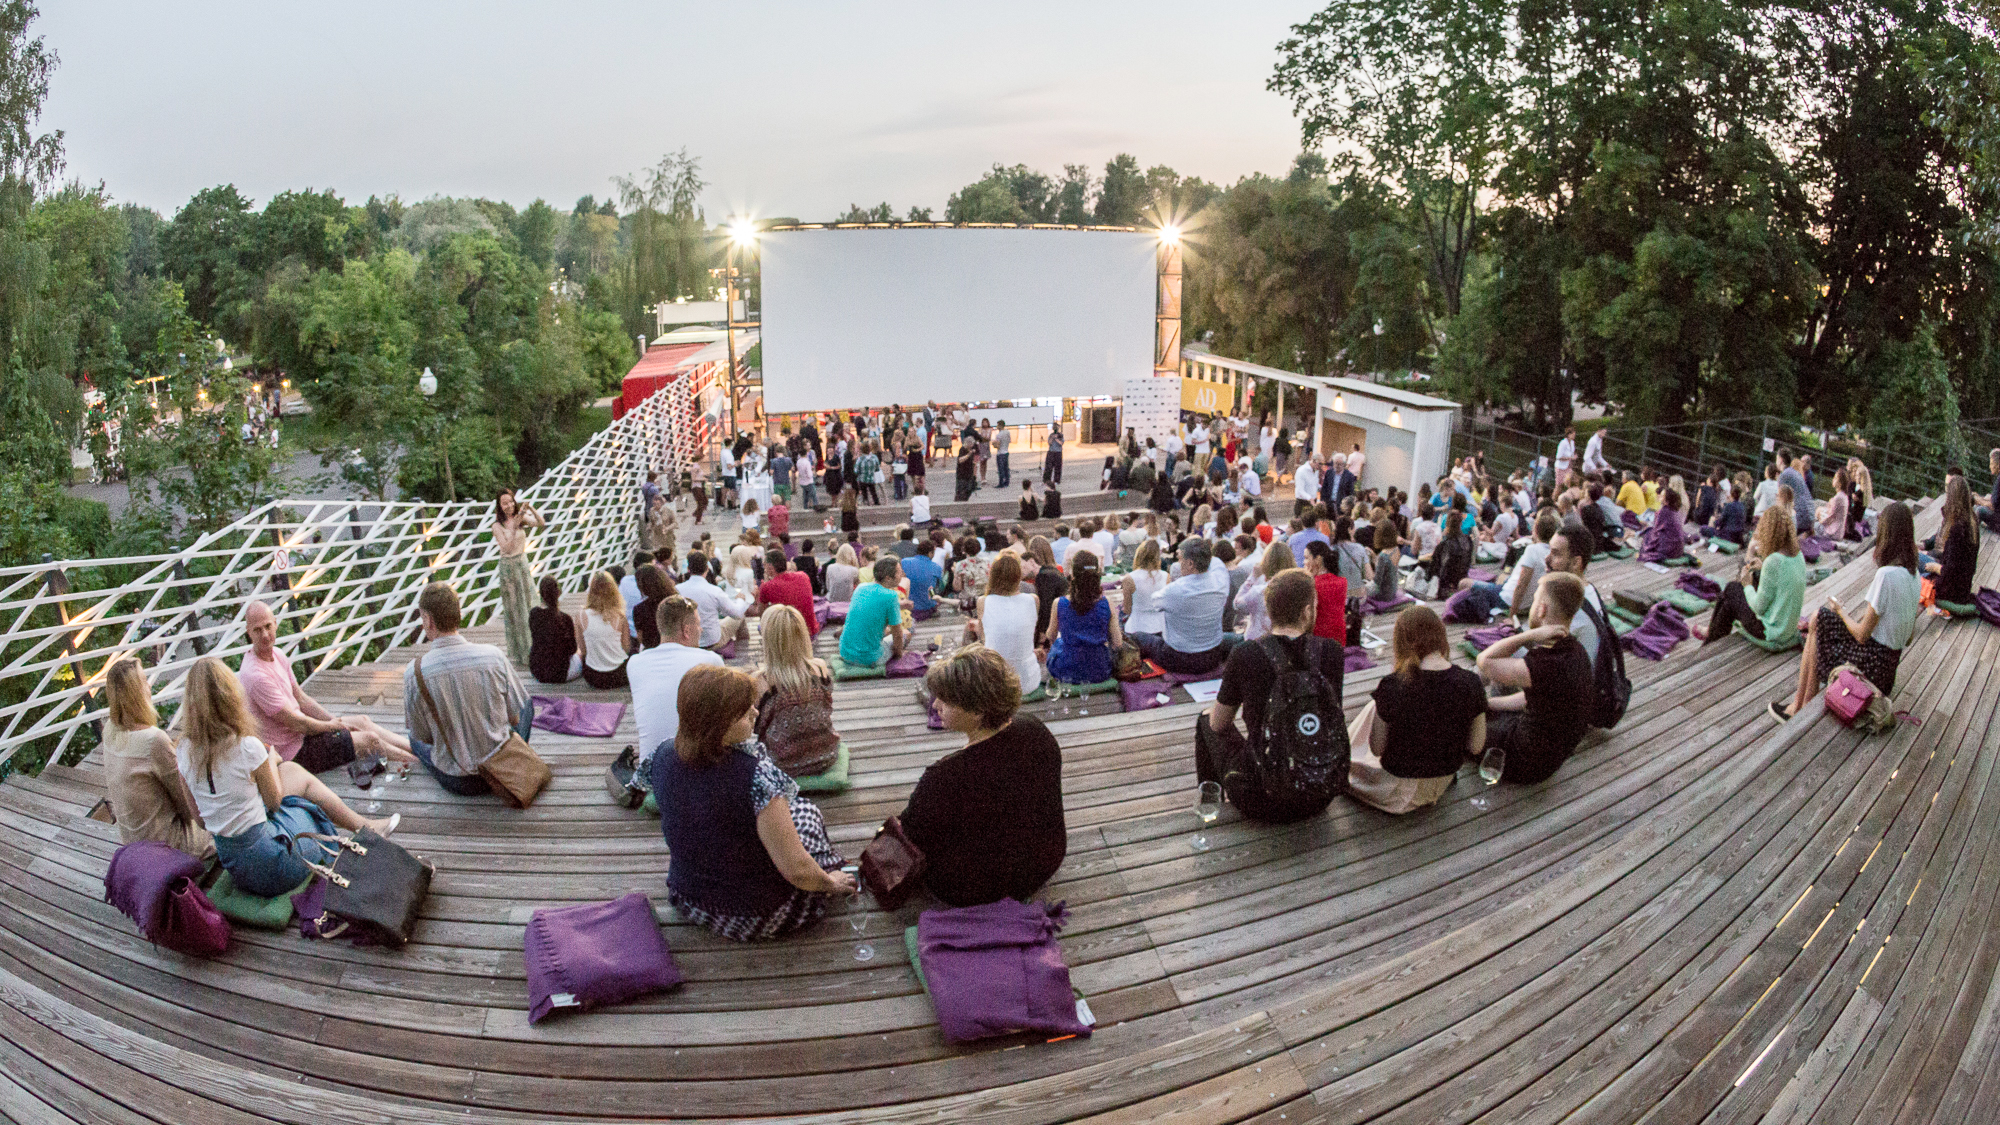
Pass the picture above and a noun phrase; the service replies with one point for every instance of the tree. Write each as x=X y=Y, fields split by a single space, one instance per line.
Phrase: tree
x=1420 y=89
x=880 y=213
x=668 y=247
x=25 y=66
x=1073 y=195
x=1121 y=195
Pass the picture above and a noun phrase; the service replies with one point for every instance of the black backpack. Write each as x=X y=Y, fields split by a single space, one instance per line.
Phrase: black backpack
x=1610 y=690
x=1305 y=754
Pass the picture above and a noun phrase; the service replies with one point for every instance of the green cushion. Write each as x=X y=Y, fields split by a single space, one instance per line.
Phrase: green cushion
x=1104 y=687
x=1599 y=557
x=842 y=670
x=1687 y=603
x=1619 y=613
x=274 y=913
x=1623 y=552
x=1040 y=693
x=916 y=965
x=1958 y=609
x=1620 y=626
x=1470 y=650
x=1771 y=646
x=831 y=780
x=1680 y=560
x=1723 y=545
x=1818 y=574
x=650 y=805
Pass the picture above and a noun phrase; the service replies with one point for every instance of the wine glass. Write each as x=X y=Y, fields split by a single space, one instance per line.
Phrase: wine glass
x=857 y=916
x=1057 y=691
x=1490 y=768
x=366 y=783
x=1207 y=806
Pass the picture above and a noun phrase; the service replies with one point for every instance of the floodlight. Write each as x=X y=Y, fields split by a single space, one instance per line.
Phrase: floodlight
x=1339 y=403
x=742 y=232
x=1170 y=234
x=1395 y=417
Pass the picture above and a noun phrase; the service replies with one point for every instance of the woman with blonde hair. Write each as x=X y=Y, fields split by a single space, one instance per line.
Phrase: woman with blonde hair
x=794 y=697
x=256 y=803
x=1769 y=590
x=601 y=634
x=1422 y=721
x=747 y=856
x=842 y=574
x=1005 y=621
x=148 y=796
x=1250 y=607
x=1147 y=578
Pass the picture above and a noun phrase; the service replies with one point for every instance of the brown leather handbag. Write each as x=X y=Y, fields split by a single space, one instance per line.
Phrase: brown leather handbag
x=514 y=771
x=891 y=866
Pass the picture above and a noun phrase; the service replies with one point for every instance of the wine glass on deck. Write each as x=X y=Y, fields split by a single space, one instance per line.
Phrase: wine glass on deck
x=1058 y=691
x=1490 y=768
x=857 y=916
x=1207 y=806
x=366 y=783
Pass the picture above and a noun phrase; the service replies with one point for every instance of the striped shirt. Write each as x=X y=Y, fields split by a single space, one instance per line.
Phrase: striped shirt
x=477 y=694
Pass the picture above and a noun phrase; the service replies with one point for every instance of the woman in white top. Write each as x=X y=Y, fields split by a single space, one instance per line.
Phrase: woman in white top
x=1766 y=493
x=1006 y=621
x=752 y=519
x=601 y=635
x=743 y=560
x=1250 y=606
x=256 y=804
x=841 y=574
x=1138 y=588
x=1873 y=641
x=1129 y=538
x=920 y=505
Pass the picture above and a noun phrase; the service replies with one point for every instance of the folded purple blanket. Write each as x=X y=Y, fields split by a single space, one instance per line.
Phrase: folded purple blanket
x=563 y=715
x=1657 y=635
x=1377 y=605
x=1813 y=546
x=1698 y=584
x=1488 y=636
x=1357 y=659
x=1483 y=574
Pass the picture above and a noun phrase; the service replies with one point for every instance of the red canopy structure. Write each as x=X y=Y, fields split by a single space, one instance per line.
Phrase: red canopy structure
x=662 y=364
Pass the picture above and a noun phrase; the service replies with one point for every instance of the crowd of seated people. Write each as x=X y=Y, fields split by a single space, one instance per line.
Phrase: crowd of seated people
x=721 y=750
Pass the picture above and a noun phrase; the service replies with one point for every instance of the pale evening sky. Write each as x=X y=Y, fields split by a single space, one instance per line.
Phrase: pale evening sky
x=794 y=108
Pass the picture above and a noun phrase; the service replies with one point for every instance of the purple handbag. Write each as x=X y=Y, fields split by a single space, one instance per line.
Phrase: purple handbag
x=155 y=886
x=997 y=969
x=1657 y=635
x=906 y=666
x=1698 y=584
x=594 y=954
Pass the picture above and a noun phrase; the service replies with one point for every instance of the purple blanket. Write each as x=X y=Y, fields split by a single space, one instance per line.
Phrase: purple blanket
x=1813 y=546
x=1657 y=635
x=1487 y=636
x=1699 y=584
x=1631 y=520
x=1666 y=539
x=997 y=969
x=1357 y=659
x=1483 y=574
x=562 y=715
x=1195 y=677
x=1376 y=605
x=1455 y=610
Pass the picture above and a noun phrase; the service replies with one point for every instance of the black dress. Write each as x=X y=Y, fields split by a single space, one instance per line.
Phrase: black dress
x=552 y=642
x=989 y=818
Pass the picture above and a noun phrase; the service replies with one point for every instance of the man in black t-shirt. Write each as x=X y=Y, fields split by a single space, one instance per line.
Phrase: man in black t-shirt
x=1540 y=725
x=1222 y=753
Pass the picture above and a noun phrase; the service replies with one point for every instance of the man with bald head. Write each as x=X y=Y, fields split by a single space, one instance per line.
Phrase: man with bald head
x=292 y=722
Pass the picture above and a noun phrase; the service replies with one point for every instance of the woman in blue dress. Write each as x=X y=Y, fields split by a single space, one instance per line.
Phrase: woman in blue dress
x=1084 y=631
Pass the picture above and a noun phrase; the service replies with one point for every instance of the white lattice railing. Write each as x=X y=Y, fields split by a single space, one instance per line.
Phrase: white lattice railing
x=344 y=590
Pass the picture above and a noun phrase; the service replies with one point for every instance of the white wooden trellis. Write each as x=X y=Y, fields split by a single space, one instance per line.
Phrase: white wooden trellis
x=355 y=569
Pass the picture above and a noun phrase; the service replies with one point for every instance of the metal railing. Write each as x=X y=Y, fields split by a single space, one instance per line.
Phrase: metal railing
x=341 y=575
x=1904 y=461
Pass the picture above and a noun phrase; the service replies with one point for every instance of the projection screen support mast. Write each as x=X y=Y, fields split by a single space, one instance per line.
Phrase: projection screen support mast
x=1167 y=357
x=879 y=315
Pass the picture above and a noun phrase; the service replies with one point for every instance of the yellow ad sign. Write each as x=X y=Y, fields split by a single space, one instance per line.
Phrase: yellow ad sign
x=1204 y=397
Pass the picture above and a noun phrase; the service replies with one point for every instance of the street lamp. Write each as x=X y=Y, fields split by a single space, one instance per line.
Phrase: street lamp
x=428 y=384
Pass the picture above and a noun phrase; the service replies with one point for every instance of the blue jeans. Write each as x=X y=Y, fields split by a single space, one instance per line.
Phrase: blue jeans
x=471 y=785
x=902 y=486
x=1484 y=598
x=1002 y=458
x=262 y=861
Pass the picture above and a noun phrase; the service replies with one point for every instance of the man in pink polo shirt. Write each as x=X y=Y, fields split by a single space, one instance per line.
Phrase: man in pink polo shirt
x=292 y=722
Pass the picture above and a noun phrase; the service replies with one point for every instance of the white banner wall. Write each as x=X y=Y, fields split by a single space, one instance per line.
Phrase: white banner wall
x=855 y=318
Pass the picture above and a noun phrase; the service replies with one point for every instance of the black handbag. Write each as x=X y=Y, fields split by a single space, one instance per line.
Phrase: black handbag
x=374 y=888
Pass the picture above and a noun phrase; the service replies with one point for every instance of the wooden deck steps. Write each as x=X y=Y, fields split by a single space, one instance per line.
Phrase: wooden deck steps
x=1704 y=917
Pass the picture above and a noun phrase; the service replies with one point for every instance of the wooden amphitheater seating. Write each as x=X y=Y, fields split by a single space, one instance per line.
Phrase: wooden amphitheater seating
x=1704 y=916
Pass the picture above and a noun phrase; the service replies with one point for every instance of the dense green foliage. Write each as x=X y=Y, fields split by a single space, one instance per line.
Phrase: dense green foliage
x=1690 y=209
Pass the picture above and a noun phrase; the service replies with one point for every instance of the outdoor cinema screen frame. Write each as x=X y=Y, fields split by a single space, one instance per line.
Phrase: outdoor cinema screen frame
x=862 y=317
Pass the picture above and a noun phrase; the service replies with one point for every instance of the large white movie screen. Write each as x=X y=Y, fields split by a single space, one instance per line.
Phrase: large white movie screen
x=873 y=317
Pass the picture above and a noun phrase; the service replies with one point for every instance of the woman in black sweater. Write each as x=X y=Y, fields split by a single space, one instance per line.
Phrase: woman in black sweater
x=552 y=638
x=1957 y=546
x=988 y=817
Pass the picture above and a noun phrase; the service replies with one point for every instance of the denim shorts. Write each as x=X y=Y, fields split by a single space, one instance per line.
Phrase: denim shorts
x=262 y=861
